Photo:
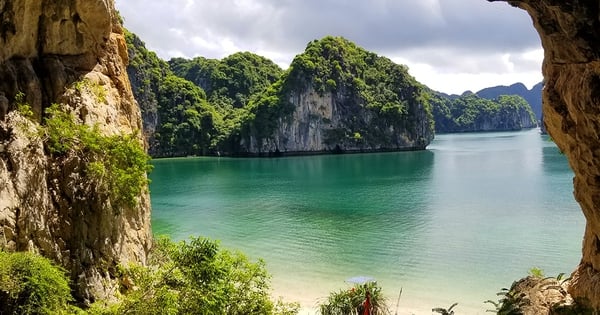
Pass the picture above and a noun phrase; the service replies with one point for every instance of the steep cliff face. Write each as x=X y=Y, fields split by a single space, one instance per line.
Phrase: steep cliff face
x=570 y=34
x=338 y=97
x=146 y=72
x=338 y=122
x=70 y=52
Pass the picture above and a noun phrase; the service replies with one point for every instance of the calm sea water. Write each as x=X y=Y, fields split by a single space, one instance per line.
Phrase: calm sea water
x=454 y=223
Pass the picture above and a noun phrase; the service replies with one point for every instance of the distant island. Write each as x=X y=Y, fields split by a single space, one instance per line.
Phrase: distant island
x=335 y=97
x=470 y=113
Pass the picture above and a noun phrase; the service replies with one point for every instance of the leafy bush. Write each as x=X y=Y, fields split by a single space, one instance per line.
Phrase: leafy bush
x=197 y=277
x=31 y=284
x=536 y=272
x=345 y=302
x=117 y=165
x=22 y=107
x=92 y=87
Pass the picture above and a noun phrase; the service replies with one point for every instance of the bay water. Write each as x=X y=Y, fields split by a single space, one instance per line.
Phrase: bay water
x=454 y=223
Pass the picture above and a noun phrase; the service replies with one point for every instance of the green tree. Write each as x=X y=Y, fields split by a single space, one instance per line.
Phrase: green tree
x=31 y=284
x=197 y=277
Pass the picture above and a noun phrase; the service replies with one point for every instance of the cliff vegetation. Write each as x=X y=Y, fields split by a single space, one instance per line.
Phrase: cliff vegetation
x=470 y=112
x=73 y=184
x=242 y=103
x=337 y=96
x=334 y=97
x=188 y=277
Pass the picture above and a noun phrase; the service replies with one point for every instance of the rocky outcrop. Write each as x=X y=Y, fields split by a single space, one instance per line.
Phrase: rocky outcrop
x=337 y=122
x=338 y=97
x=536 y=295
x=70 y=52
x=570 y=34
x=146 y=73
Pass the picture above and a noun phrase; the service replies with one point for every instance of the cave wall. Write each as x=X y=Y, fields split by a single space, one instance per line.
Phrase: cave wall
x=570 y=34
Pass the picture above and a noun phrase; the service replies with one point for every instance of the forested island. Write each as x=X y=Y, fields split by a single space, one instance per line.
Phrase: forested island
x=335 y=97
x=469 y=112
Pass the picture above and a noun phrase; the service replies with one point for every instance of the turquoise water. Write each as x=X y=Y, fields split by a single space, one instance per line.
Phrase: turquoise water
x=454 y=223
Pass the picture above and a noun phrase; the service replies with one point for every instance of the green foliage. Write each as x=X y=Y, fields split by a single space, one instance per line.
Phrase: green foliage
x=351 y=301
x=285 y=308
x=194 y=277
x=31 y=284
x=86 y=85
x=232 y=80
x=245 y=95
x=470 y=112
x=116 y=164
x=536 y=272
x=334 y=63
x=445 y=311
x=233 y=86
x=197 y=277
x=508 y=303
x=189 y=124
x=22 y=107
x=370 y=85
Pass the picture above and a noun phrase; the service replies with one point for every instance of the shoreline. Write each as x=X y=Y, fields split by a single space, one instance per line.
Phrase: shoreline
x=409 y=304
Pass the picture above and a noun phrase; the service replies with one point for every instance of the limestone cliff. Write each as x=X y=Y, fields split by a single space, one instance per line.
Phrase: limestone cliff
x=146 y=72
x=337 y=122
x=70 y=52
x=337 y=97
x=570 y=34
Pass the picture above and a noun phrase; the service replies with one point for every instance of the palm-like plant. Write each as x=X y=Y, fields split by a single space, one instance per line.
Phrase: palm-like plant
x=350 y=302
x=445 y=311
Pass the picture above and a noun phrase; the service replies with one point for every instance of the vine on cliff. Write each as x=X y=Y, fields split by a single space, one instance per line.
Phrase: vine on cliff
x=115 y=165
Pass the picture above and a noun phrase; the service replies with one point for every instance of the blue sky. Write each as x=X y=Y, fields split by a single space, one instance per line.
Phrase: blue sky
x=449 y=45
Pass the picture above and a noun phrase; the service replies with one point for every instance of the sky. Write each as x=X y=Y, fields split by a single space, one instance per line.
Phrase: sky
x=449 y=45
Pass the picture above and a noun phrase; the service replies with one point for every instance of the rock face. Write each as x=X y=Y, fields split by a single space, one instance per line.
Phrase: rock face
x=338 y=97
x=47 y=50
x=570 y=34
x=146 y=73
x=336 y=122
x=535 y=296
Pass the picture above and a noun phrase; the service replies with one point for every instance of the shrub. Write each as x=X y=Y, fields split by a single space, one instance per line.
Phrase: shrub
x=197 y=277
x=31 y=284
x=351 y=301
x=117 y=165
x=22 y=107
x=92 y=87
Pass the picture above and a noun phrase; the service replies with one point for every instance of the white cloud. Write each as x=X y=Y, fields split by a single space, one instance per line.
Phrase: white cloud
x=450 y=45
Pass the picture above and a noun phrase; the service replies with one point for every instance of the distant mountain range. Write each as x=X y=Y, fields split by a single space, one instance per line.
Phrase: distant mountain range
x=533 y=96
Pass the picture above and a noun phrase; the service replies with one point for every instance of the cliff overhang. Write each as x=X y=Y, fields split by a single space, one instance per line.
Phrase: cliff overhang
x=570 y=35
